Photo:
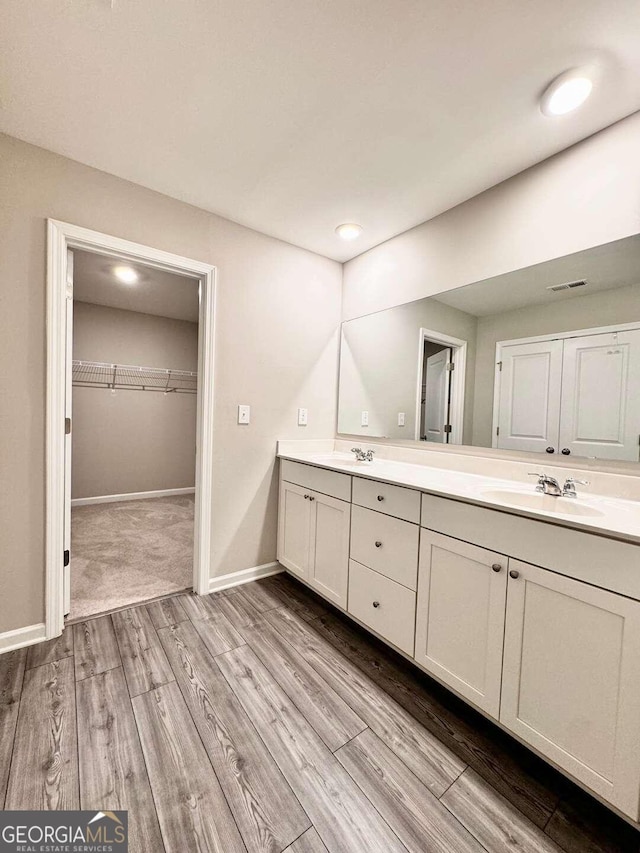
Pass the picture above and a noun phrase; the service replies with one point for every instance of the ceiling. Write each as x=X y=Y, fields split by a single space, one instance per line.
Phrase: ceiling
x=292 y=116
x=604 y=267
x=156 y=292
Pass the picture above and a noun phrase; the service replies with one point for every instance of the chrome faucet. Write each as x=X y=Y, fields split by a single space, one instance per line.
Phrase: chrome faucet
x=363 y=455
x=547 y=485
x=569 y=488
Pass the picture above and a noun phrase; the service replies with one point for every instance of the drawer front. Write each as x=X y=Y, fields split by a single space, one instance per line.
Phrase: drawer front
x=386 y=544
x=386 y=607
x=594 y=559
x=392 y=500
x=319 y=479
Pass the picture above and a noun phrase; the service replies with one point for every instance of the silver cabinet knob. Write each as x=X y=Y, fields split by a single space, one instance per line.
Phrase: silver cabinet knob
x=378 y=544
x=566 y=451
x=514 y=574
x=311 y=498
x=551 y=449
x=376 y=604
x=306 y=497
x=496 y=567
x=380 y=497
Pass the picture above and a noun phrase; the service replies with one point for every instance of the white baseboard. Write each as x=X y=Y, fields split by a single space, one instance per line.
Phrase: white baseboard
x=132 y=496
x=20 y=637
x=244 y=576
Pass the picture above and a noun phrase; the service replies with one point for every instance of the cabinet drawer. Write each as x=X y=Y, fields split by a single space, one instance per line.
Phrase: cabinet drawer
x=392 y=500
x=386 y=544
x=319 y=479
x=386 y=607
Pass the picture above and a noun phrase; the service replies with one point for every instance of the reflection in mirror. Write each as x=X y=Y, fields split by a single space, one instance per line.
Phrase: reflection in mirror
x=546 y=359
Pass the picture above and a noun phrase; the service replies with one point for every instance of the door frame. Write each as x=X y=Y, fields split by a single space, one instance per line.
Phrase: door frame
x=459 y=359
x=62 y=236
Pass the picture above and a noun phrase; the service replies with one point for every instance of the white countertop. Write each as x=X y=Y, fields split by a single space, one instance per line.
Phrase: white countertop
x=606 y=516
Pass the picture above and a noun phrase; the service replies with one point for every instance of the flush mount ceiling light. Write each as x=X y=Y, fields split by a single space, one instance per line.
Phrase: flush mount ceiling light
x=127 y=275
x=349 y=230
x=567 y=92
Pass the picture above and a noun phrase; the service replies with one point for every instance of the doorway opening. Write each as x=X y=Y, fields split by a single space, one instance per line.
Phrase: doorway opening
x=441 y=384
x=130 y=393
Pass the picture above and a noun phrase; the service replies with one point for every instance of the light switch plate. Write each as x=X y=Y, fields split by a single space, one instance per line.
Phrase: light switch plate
x=400 y=418
x=244 y=414
x=303 y=417
x=364 y=420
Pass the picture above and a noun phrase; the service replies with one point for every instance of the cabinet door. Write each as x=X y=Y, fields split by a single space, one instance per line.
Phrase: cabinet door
x=294 y=528
x=528 y=396
x=571 y=680
x=600 y=413
x=329 y=547
x=460 y=617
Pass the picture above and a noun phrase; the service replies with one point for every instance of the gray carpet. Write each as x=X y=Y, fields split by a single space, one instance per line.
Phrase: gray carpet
x=127 y=552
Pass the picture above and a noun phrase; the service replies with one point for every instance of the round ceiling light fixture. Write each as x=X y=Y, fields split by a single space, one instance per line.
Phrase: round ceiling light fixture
x=349 y=230
x=127 y=275
x=566 y=93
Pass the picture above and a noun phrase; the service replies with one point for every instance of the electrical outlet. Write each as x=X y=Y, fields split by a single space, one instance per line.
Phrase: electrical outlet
x=303 y=417
x=244 y=414
x=400 y=418
x=364 y=420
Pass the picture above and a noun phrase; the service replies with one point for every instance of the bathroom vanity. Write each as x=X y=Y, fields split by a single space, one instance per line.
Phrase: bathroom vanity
x=525 y=605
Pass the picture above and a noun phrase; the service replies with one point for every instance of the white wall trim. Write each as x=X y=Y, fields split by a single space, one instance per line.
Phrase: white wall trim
x=131 y=496
x=62 y=236
x=245 y=576
x=20 y=637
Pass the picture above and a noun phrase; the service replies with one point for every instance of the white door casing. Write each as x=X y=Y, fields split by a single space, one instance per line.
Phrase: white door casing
x=68 y=407
x=528 y=391
x=460 y=616
x=457 y=381
x=436 y=406
x=571 y=679
x=600 y=411
x=62 y=236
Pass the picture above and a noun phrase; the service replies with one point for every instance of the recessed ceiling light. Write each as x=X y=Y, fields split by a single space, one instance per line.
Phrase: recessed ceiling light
x=566 y=93
x=349 y=230
x=127 y=275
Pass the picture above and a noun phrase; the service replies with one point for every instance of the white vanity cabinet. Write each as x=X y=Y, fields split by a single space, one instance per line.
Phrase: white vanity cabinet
x=571 y=679
x=313 y=532
x=460 y=617
x=535 y=624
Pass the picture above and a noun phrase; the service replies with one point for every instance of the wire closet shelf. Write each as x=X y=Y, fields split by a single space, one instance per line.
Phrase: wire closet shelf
x=128 y=377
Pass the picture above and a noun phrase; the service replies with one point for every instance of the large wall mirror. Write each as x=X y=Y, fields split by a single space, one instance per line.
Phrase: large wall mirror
x=545 y=359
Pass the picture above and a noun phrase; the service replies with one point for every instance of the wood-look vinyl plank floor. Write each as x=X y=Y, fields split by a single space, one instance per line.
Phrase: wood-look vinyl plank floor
x=342 y=815
x=319 y=704
x=145 y=664
x=113 y=774
x=96 y=647
x=492 y=820
x=51 y=650
x=434 y=764
x=519 y=775
x=192 y=810
x=267 y=813
x=229 y=754
x=12 y=668
x=44 y=767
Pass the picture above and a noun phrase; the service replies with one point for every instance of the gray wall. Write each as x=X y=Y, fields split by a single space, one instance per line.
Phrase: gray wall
x=379 y=366
x=278 y=311
x=580 y=312
x=583 y=197
x=132 y=441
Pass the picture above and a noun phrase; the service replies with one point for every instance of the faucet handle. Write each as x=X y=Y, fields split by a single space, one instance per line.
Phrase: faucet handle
x=356 y=450
x=574 y=482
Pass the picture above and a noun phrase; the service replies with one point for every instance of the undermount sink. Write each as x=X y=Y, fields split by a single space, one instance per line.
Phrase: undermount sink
x=546 y=503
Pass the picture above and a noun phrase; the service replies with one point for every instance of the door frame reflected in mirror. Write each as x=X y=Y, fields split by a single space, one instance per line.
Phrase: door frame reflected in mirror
x=457 y=384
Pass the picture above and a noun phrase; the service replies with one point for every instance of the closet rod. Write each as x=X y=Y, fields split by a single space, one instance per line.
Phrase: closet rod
x=129 y=377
